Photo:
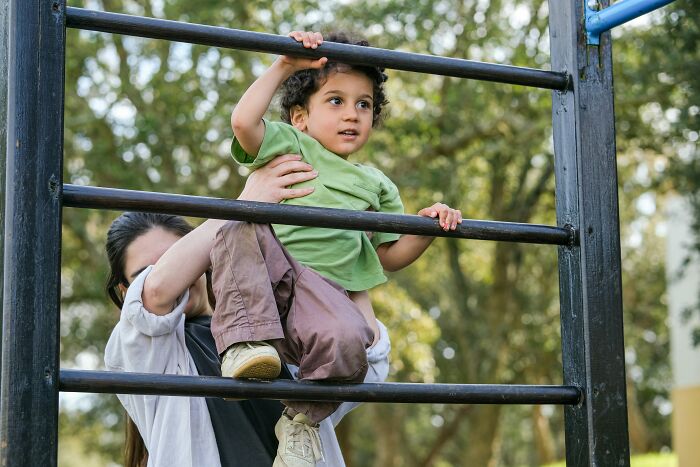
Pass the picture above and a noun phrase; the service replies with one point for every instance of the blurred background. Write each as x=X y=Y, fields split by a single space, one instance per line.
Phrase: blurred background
x=153 y=115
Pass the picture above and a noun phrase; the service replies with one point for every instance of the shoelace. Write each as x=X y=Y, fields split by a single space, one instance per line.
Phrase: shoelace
x=297 y=432
x=248 y=345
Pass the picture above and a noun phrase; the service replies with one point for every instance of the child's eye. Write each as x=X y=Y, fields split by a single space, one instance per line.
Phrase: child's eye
x=335 y=100
x=363 y=105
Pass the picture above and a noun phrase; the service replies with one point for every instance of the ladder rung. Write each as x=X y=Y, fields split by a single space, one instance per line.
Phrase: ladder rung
x=260 y=42
x=212 y=386
x=250 y=211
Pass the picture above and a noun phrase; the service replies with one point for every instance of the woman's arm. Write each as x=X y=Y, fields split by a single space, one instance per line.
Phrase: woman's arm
x=188 y=258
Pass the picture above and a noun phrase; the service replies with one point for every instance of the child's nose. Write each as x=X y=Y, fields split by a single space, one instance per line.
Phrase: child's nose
x=350 y=113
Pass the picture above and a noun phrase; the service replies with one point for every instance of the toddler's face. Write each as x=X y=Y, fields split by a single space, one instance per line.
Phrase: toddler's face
x=339 y=114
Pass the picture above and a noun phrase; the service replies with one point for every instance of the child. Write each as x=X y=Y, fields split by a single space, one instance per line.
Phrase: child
x=318 y=314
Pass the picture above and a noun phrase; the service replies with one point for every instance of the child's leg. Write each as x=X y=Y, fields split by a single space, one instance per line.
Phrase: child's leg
x=261 y=289
x=331 y=335
x=243 y=283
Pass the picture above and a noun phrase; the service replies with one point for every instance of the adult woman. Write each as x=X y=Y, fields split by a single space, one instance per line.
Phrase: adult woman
x=159 y=278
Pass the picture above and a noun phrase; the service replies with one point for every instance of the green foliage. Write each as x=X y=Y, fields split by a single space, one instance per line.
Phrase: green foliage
x=153 y=115
x=663 y=118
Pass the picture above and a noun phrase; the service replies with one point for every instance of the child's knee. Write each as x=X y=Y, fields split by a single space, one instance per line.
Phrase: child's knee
x=338 y=356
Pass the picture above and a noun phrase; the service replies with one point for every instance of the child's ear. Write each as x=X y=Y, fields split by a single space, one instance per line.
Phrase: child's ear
x=122 y=289
x=298 y=117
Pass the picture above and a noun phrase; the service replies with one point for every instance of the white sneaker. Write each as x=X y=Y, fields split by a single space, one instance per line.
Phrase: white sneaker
x=299 y=442
x=251 y=360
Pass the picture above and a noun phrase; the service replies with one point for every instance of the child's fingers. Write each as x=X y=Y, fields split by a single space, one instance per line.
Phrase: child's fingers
x=297 y=35
x=301 y=36
x=443 y=219
x=309 y=39
x=455 y=217
x=427 y=212
x=448 y=219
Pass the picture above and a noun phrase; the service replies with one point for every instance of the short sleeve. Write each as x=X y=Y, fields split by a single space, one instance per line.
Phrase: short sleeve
x=389 y=201
x=280 y=138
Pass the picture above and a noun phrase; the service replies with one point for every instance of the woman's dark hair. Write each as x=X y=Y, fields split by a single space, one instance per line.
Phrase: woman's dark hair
x=123 y=231
x=296 y=90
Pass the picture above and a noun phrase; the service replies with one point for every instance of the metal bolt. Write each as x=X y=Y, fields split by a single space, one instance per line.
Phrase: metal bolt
x=593 y=5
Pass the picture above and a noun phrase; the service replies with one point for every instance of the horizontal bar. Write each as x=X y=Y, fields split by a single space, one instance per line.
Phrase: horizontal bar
x=211 y=386
x=260 y=42
x=268 y=213
x=619 y=13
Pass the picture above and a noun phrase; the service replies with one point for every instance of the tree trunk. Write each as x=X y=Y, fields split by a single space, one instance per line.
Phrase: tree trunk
x=640 y=439
x=387 y=435
x=446 y=434
x=544 y=441
x=483 y=426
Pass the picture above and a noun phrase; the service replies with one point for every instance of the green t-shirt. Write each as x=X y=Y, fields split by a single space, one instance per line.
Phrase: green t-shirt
x=345 y=256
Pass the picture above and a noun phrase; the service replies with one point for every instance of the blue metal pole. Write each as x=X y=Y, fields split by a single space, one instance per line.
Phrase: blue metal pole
x=621 y=12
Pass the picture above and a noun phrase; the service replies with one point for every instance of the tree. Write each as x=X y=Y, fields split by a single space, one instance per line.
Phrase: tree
x=468 y=311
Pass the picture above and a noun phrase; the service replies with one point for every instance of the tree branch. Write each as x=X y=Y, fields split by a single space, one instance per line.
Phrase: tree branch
x=447 y=432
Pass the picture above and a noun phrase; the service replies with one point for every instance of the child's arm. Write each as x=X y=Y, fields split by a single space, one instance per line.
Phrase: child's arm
x=399 y=254
x=246 y=119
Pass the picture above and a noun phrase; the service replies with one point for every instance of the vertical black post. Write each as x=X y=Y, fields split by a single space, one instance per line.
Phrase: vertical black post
x=4 y=50
x=30 y=333
x=590 y=280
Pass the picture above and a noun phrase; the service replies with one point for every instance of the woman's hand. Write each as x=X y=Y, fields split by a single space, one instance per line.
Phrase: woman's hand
x=269 y=183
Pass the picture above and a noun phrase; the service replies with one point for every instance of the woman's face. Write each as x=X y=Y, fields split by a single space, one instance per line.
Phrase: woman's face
x=147 y=249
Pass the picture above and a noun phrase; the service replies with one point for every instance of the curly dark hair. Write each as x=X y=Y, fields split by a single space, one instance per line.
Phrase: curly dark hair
x=297 y=89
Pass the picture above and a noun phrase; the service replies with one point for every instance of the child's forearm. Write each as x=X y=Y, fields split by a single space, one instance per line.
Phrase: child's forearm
x=408 y=248
x=404 y=251
x=246 y=119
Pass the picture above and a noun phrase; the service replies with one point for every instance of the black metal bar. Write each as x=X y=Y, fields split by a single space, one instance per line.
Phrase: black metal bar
x=29 y=386
x=251 y=211
x=589 y=275
x=259 y=42
x=4 y=54
x=211 y=386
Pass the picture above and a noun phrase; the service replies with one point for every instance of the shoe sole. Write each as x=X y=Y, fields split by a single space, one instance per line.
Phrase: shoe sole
x=263 y=367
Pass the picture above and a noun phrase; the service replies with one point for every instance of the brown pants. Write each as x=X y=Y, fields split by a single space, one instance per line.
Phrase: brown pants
x=263 y=294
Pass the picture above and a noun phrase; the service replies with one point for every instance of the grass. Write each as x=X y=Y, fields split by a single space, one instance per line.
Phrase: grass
x=644 y=460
